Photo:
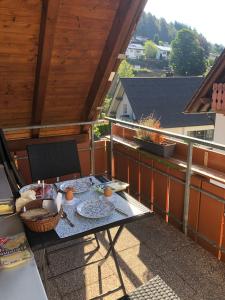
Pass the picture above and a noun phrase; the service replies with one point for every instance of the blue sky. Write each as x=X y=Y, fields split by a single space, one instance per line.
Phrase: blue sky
x=208 y=17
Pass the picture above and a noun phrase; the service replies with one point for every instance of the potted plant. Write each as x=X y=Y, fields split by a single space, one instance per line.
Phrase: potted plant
x=154 y=142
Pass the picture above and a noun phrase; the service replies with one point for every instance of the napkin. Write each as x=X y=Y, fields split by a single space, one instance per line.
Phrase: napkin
x=58 y=201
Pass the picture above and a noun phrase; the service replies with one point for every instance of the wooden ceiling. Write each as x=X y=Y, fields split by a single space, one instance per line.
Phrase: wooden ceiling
x=56 y=57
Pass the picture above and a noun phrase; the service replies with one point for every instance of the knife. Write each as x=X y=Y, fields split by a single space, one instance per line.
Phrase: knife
x=121 y=211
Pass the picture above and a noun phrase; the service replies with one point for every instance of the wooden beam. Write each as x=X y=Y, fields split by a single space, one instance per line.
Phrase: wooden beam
x=123 y=26
x=205 y=90
x=19 y=145
x=46 y=39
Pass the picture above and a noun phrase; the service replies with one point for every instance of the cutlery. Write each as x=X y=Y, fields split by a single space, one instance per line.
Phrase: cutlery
x=121 y=211
x=91 y=181
x=58 y=190
x=64 y=216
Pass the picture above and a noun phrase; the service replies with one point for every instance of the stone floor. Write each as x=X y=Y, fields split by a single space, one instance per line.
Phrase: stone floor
x=145 y=249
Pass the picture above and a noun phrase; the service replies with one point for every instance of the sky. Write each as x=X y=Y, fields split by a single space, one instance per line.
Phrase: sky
x=207 y=17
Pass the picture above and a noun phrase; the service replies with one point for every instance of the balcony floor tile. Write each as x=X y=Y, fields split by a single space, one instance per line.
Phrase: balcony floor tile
x=145 y=249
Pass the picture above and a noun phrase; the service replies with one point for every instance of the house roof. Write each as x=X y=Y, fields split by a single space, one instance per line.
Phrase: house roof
x=201 y=99
x=164 y=48
x=136 y=46
x=56 y=57
x=166 y=97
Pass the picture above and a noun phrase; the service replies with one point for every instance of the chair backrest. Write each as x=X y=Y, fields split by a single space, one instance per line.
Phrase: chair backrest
x=52 y=160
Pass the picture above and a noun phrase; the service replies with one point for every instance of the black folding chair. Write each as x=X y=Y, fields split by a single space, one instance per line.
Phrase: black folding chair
x=15 y=179
x=53 y=160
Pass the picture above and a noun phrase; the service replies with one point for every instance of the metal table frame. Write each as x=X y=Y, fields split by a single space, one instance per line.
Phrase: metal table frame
x=42 y=241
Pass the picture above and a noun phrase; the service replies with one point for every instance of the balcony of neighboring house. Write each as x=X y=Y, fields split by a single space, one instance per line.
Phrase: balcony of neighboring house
x=183 y=243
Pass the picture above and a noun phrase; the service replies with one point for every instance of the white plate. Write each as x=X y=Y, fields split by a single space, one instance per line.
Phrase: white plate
x=81 y=185
x=95 y=209
x=115 y=185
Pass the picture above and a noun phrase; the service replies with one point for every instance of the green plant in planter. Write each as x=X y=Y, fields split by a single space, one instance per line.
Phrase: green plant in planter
x=154 y=142
x=154 y=137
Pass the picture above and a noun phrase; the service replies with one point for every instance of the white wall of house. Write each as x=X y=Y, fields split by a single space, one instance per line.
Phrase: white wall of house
x=185 y=130
x=163 y=52
x=125 y=108
x=135 y=51
x=219 y=134
x=203 y=131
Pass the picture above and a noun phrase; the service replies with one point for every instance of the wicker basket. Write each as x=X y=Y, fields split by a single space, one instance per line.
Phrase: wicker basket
x=41 y=225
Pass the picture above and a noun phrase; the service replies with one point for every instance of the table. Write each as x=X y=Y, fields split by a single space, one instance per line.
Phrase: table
x=42 y=241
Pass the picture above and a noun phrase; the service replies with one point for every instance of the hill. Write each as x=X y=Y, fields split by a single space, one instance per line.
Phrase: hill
x=158 y=29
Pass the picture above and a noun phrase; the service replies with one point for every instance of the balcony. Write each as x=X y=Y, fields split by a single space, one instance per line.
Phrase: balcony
x=184 y=198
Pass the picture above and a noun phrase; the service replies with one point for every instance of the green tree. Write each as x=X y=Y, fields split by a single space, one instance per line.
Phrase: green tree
x=187 y=56
x=125 y=69
x=156 y=38
x=150 y=49
x=164 y=31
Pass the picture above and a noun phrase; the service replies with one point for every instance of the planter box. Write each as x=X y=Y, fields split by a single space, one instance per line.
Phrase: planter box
x=164 y=150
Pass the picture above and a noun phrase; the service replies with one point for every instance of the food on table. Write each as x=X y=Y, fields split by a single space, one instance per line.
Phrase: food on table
x=35 y=214
x=10 y=244
x=69 y=195
x=6 y=208
x=21 y=202
x=107 y=191
x=42 y=190
x=14 y=250
x=29 y=194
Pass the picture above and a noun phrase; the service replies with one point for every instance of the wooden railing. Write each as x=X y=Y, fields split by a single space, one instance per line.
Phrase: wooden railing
x=160 y=184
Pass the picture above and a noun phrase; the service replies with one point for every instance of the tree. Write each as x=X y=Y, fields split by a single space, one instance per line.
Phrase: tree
x=164 y=31
x=187 y=56
x=204 y=44
x=150 y=49
x=125 y=69
x=156 y=38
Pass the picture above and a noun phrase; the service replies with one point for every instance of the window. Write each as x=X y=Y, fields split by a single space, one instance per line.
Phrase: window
x=202 y=134
x=125 y=108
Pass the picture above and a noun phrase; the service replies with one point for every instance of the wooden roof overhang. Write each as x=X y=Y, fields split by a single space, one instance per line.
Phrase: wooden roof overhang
x=201 y=101
x=56 y=57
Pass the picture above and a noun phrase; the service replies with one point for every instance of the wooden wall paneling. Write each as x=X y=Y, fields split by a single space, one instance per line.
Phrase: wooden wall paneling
x=18 y=49
x=194 y=207
x=160 y=189
x=211 y=218
x=19 y=145
x=176 y=197
x=100 y=157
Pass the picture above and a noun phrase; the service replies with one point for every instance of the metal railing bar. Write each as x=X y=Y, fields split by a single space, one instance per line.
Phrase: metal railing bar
x=168 y=133
x=187 y=187
x=53 y=125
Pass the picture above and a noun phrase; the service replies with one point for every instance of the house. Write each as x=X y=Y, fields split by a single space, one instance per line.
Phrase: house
x=210 y=98
x=135 y=51
x=136 y=98
x=163 y=52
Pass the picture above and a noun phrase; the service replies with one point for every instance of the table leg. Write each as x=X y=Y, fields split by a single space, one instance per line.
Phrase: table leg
x=112 y=249
x=97 y=241
x=114 y=240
